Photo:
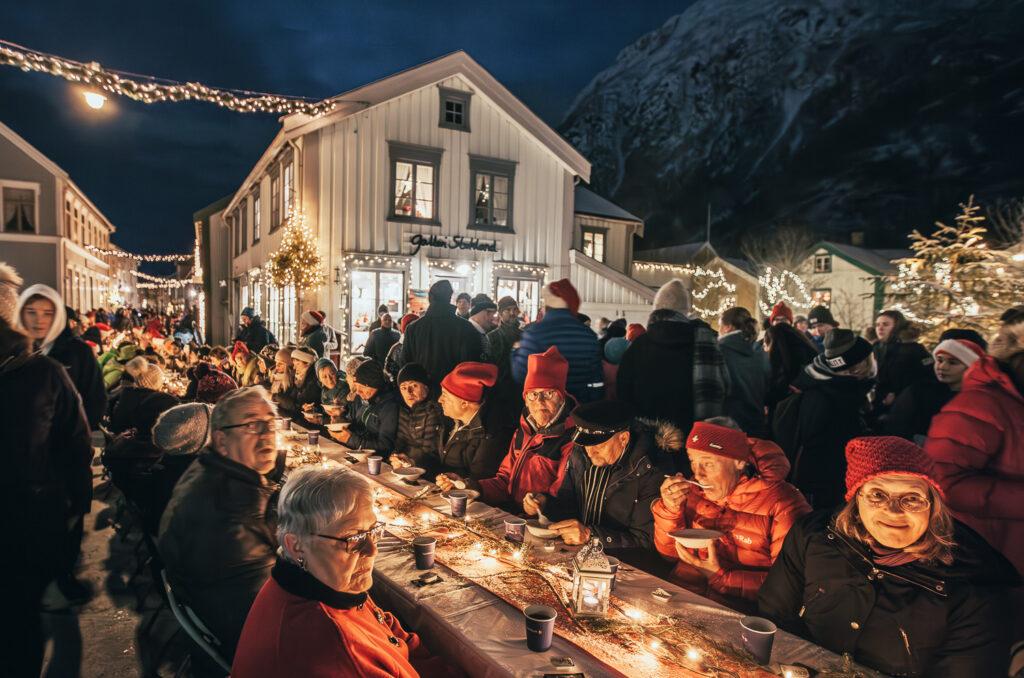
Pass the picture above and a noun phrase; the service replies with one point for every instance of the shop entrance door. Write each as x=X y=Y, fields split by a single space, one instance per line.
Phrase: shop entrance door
x=370 y=290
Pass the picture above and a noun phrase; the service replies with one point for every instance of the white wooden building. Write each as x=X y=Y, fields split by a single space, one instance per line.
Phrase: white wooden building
x=436 y=172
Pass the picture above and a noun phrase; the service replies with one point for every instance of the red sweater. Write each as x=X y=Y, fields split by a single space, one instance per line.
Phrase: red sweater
x=755 y=518
x=290 y=635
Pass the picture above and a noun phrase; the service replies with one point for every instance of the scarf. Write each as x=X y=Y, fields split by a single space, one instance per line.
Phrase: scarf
x=299 y=582
x=887 y=557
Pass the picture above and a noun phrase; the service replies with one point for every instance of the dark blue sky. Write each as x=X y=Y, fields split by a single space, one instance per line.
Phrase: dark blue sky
x=149 y=167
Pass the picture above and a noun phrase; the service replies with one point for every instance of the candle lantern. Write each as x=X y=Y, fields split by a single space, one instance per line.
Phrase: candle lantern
x=591 y=581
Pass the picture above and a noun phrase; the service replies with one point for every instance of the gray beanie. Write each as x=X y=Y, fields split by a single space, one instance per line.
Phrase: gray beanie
x=183 y=429
x=673 y=295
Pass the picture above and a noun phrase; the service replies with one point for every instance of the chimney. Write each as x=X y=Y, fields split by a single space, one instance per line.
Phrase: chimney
x=857 y=238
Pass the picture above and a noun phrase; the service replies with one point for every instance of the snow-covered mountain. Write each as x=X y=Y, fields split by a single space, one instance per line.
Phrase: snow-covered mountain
x=840 y=114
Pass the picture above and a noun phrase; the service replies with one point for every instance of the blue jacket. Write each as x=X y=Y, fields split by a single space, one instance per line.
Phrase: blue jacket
x=577 y=344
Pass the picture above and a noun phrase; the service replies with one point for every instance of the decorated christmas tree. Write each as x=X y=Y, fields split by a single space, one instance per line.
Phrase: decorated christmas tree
x=297 y=262
x=954 y=279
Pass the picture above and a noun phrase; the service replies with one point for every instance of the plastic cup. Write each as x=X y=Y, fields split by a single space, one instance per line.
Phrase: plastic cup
x=613 y=562
x=283 y=424
x=515 y=530
x=313 y=438
x=758 y=635
x=540 y=626
x=423 y=550
x=458 y=499
x=373 y=465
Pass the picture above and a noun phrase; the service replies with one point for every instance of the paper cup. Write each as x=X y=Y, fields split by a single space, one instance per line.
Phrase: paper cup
x=313 y=438
x=458 y=499
x=373 y=465
x=515 y=530
x=423 y=550
x=283 y=424
x=540 y=626
x=758 y=635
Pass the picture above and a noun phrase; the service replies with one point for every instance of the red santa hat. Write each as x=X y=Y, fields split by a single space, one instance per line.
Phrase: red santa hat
x=719 y=440
x=313 y=317
x=561 y=294
x=963 y=350
x=239 y=347
x=103 y=327
x=780 y=310
x=407 y=320
x=873 y=456
x=468 y=380
x=547 y=370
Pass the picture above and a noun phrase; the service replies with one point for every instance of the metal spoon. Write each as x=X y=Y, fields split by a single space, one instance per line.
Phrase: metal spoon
x=703 y=486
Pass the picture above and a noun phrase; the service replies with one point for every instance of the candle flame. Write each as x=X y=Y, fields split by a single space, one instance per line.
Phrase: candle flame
x=635 y=614
x=693 y=655
x=655 y=644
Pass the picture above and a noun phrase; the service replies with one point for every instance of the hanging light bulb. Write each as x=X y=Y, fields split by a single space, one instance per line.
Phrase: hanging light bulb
x=94 y=99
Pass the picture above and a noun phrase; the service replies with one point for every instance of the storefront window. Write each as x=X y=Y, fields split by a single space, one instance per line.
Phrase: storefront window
x=526 y=292
x=274 y=313
x=369 y=290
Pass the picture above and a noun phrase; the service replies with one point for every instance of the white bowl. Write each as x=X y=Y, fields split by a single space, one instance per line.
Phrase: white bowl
x=410 y=472
x=471 y=495
x=335 y=428
x=695 y=539
x=359 y=455
x=537 y=530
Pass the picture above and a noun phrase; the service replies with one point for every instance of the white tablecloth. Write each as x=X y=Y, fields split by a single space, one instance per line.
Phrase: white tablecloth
x=486 y=636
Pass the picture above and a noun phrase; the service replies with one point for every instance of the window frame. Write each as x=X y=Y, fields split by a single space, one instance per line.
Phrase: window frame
x=595 y=230
x=275 y=200
x=826 y=257
x=287 y=185
x=446 y=94
x=416 y=155
x=493 y=167
x=256 y=221
x=20 y=186
x=817 y=301
x=243 y=222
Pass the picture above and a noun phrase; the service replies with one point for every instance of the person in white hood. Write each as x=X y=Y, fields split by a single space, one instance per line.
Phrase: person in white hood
x=41 y=316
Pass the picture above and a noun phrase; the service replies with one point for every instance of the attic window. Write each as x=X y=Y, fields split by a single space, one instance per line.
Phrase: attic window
x=454 y=109
x=822 y=263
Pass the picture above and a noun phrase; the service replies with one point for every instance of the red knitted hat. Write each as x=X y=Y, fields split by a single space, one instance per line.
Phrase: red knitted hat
x=780 y=310
x=546 y=370
x=873 y=456
x=467 y=380
x=407 y=320
x=239 y=347
x=720 y=440
x=634 y=331
x=564 y=290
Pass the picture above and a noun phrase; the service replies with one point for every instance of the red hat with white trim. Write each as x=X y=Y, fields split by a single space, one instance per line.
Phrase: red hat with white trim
x=963 y=350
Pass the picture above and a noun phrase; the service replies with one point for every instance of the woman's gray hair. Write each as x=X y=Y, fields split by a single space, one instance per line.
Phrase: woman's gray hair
x=315 y=497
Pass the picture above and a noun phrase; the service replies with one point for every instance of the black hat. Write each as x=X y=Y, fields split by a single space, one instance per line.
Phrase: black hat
x=820 y=314
x=483 y=305
x=844 y=349
x=597 y=422
x=370 y=374
x=413 y=372
x=441 y=291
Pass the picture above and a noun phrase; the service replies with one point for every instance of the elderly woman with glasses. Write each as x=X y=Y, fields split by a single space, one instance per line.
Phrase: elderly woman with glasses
x=314 y=616
x=892 y=579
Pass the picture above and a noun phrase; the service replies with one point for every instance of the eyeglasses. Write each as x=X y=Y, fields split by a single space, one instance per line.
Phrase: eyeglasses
x=357 y=541
x=258 y=427
x=543 y=396
x=912 y=502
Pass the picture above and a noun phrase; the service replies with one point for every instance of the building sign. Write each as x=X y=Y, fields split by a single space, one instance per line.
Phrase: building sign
x=451 y=242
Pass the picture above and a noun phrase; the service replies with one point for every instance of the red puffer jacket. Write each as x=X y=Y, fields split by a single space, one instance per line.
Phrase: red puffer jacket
x=535 y=461
x=977 y=442
x=755 y=519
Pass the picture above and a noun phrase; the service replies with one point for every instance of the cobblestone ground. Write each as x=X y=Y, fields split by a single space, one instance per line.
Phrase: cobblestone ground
x=124 y=630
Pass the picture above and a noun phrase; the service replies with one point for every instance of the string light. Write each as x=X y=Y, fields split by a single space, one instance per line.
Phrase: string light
x=156 y=282
x=784 y=286
x=703 y=282
x=297 y=262
x=150 y=90
x=121 y=254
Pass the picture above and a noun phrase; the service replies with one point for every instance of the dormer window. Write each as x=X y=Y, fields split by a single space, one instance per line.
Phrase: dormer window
x=454 y=109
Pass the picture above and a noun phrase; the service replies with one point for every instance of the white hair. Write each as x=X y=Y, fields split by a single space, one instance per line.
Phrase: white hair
x=235 y=401
x=315 y=497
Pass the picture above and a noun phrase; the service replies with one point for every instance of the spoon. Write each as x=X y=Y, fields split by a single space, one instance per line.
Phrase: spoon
x=703 y=486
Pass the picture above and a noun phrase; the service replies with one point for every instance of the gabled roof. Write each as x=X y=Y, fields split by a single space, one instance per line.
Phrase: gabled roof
x=876 y=262
x=50 y=166
x=212 y=208
x=588 y=202
x=674 y=254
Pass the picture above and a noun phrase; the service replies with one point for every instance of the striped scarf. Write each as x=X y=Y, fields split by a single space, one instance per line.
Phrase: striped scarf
x=595 y=482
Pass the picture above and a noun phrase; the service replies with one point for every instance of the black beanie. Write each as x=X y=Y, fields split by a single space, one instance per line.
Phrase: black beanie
x=370 y=374
x=441 y=291
x=413 y=372
x=483 y=305
x=844 y=349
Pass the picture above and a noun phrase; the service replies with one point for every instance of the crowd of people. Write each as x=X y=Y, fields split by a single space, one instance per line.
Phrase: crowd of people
x=867 y=488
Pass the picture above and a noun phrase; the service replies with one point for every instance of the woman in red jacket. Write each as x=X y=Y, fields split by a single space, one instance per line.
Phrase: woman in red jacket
x=744 y=495
x=977 y=443
x=314 y=616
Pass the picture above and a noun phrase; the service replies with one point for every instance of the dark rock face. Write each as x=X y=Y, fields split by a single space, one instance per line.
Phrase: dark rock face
x=839 y=114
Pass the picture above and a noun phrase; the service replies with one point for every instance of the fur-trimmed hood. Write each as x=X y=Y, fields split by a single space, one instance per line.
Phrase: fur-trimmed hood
x=667 y=436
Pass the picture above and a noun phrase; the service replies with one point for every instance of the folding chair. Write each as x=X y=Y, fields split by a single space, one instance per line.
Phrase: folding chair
x=193 y=626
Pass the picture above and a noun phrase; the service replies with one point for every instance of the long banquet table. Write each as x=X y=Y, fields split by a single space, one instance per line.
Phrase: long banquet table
x=485 y=635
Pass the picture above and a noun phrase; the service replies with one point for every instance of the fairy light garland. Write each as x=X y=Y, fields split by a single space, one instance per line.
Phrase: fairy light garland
x=121 y=254
x=151 y=90
x=784 y=286
x=297 y=261
x=703 y=282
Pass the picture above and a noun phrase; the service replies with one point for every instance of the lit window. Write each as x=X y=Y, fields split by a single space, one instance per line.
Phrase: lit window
x=821 y=297
x=414 y=189
x=593 y=244
x=275 y=202
x=19 y=210
x=491 y=192
x=288 y=184
x=256 y=221
x=822 y=263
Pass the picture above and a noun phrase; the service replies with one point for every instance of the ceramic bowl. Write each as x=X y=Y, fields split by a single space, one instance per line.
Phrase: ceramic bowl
x=410 y=472
x=537 y=530
x=695 y=539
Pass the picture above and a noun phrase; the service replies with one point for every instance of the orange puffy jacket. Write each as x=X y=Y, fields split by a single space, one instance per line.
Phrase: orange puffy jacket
x=755 y=519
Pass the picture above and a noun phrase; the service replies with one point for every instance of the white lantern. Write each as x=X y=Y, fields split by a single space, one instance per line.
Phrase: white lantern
x=591 y=581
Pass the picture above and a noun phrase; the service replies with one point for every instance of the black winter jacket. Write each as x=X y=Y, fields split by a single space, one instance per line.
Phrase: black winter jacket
x=138 y=408
x=375 y=423
x=84 y=370
x=634 y=484
x=900 y=364
x=309 y=391
x=255 y=335
x=379 y=344
x=910 y=620
x=475 y=450
x=419 y=431
x=439 y=341
x=748 y=382
x=912 y=411
x=217 y=540
x=813 y=426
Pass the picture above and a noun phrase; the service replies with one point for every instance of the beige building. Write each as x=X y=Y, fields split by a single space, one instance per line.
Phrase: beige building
x=48 y=224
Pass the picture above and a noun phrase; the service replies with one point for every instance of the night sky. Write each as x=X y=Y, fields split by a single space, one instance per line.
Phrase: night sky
x=149 y=167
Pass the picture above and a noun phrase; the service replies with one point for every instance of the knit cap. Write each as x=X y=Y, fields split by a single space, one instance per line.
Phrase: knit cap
x=719 y=440
x=872 y=456
x=634 y=331
x=561 y=294
x=844 y=349
x=963 y=350
x=407 y=320
x=304 y=354
x=313 y=317
x=371 y=375
x=183 y=429
x=482 y=305
x=468 y=380
x=506 y=303
x=673 y=295
x=151 y=376
x=413 y=372
x=779 y=312
x=614 y=349
x=547 y=370
x=820 y=314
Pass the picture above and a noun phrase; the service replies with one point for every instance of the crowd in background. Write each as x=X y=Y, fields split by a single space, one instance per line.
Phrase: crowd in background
x=868 y=487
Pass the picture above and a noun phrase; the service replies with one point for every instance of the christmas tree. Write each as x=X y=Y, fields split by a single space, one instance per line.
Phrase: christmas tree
x=954 y=279
x=297 y=262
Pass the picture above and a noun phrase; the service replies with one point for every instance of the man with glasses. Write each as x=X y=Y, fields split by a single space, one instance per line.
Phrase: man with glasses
x=542 y=444
x=216 y=537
